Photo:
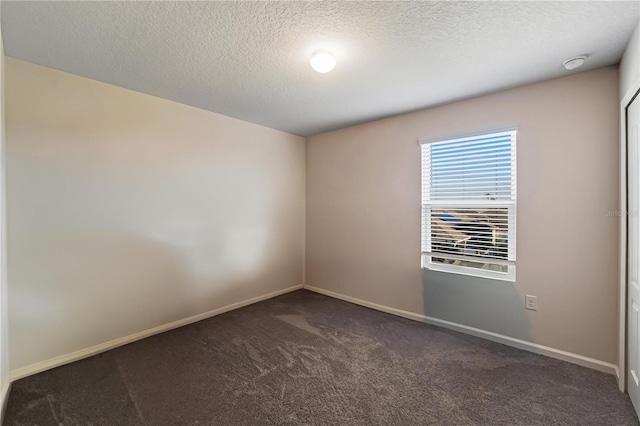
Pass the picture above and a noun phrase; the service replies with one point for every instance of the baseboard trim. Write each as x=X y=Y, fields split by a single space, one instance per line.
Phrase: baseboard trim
x=4 y=398
x=93 y=350
x=495 y=337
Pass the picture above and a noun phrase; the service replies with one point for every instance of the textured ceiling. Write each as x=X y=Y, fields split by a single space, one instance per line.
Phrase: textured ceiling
x=250 y=60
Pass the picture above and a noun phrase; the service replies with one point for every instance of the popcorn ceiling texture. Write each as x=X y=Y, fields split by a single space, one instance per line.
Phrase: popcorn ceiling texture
x=249 y=60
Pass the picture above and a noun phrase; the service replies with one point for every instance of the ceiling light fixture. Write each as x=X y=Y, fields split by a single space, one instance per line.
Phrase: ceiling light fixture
x=575 y=62
x=322 y=62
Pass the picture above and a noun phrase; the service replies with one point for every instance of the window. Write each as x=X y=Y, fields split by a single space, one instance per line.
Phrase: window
x=469 y=205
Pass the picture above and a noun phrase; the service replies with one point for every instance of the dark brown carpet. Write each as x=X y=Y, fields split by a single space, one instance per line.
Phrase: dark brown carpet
x=303 y=358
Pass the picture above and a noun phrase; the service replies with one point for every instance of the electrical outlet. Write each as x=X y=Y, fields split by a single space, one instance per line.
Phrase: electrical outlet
x=531 y=302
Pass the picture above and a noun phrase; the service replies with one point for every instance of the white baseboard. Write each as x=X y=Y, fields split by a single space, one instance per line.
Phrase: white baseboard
x=93 y=350
x=4 y=398
x=495 y=337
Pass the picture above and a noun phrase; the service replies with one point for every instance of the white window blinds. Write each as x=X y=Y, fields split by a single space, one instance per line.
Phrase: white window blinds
x=469 y=205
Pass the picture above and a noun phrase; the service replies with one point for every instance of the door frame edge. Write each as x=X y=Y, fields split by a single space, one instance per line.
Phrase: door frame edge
x=622 y=301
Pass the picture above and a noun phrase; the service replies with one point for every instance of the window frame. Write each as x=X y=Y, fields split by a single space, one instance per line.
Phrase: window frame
x=511 y=206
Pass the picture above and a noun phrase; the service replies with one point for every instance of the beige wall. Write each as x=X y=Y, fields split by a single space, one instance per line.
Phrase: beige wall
x=128 y=211
x=363 y=215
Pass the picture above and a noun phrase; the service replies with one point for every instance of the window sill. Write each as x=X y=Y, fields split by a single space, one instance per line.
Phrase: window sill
x=509 y=276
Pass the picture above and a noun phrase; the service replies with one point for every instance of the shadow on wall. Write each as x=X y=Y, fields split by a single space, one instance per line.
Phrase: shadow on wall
x=92 y=286
x=482 y=303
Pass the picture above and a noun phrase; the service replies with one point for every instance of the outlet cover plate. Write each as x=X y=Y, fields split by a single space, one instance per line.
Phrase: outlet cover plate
x=531 y=302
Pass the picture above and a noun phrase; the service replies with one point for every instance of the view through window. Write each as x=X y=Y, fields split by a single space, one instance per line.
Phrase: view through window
x=469 y=205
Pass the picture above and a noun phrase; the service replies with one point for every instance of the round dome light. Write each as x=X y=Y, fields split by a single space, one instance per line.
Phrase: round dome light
x=322 y=62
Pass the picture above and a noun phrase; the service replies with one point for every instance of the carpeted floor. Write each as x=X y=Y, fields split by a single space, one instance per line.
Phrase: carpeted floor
x=306 y=359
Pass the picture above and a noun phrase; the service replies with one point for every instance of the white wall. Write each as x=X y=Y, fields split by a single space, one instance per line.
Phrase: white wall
x=630 y=63
x=127 y=211
x=363 y=215
x=4 y=307
x=629 y=84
